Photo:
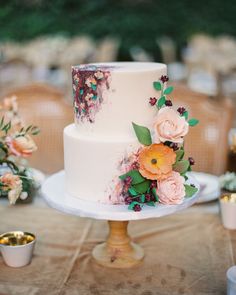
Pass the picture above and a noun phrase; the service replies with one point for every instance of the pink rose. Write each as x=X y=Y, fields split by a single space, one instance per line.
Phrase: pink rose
x=22 y=146
x=13 y=184
x=171 y=191
x=170 y=126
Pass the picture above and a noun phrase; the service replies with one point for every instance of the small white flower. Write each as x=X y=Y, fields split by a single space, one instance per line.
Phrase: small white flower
x=99 y=75
x=23 y=195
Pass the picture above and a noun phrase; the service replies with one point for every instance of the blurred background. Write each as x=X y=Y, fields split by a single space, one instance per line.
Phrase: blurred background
x=40 y=40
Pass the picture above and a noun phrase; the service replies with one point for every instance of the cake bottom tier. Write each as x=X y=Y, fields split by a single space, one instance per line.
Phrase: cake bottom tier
x=93 y=165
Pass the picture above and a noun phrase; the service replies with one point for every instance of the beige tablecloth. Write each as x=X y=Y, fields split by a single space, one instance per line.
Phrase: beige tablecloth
x=186 y=253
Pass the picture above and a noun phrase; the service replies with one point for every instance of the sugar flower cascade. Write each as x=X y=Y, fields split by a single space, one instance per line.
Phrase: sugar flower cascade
x=159 y=173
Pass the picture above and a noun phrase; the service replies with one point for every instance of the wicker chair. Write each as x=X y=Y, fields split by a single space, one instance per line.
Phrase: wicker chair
x=43 y=105
x=208 y=141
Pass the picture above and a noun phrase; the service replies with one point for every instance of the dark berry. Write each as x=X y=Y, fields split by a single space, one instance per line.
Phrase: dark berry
x=192 y=185
x=152 y=101
x=153 y=184
x=168 y=103
x=164 y=78
x=137 y=208
x=181 y=110
x=128 y=180
x=148 y=197
x=128 y=200
x=174 y=146
x=191 y=161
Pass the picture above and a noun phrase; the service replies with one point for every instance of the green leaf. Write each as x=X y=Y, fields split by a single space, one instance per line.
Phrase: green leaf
x=168 y=90
x=155 y=194
x=179 y=155
x=131 y=206
x=142 y=198
x=161 y=101
x=185 y=114
x=135 y=175
x=142 y=187
x=193 y=122
x=190 y=190
x=181 y=166
x=133 y=192
x=143 y=134
x=151 y=204
x=2 y=154
x=157 y=85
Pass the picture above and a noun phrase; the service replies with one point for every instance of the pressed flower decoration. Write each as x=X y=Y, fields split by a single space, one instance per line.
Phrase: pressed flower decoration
x=16 y=144
x=159 y=172
x=89 y=84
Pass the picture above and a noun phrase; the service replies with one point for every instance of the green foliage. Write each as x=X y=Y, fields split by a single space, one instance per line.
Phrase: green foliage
x=168 y=90
x=144 y=21
x=190 y=190
x=157 y=85
x=193 y=122
x=161 y=102
x=142 y=187
x=135 y=175
x=143 y=134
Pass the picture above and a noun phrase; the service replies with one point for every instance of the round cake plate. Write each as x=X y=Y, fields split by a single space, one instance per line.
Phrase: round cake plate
x=118 y=251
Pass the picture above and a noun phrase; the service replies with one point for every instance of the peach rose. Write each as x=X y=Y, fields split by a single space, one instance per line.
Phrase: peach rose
x=13 y=184
x=171 y=191
x=170 y=126
x=21 y=146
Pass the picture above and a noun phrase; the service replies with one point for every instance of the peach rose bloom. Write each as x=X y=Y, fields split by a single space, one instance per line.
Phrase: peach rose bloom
x=170 y=126
x=171 y=191
x=21 y=146
x=13 y=183
x=156 y=161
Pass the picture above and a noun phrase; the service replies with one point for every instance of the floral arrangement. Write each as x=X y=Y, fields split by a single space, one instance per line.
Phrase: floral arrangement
x=88 y=86
x=16 y=144
x=228 y=181
x=158 y=172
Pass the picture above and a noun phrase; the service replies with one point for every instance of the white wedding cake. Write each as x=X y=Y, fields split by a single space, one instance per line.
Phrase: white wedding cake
x=108 y=97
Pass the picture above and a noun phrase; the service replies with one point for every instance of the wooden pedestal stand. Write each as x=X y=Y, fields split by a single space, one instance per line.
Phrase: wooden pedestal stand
x=118 y=251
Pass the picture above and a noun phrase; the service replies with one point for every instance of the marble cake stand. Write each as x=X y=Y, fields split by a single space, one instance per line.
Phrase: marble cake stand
x=118 y=251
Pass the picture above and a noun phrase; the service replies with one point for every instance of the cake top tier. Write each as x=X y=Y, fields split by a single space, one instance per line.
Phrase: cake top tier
x=108 y=96
x=120 y=67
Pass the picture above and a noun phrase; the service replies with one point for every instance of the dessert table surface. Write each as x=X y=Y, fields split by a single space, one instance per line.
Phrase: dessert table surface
x=185 y=253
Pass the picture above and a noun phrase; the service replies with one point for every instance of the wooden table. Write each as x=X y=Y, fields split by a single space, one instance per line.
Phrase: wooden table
x=186 y=253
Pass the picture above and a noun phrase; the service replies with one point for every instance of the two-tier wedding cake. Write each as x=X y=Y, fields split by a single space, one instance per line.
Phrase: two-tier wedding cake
x=101 y=146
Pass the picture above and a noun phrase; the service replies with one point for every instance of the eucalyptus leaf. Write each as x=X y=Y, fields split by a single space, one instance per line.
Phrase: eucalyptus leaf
x=142 y=198
x=135 y=175
x=143 y=134
x=190 y=190
x=161 y=101
x=133 y=192
x=168 y=90
x=185 y=114
x=157 y=85
x=181 y=166
x=151 y=204
x=193 y=122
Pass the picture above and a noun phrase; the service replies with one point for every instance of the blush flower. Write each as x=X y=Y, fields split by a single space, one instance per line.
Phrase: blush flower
x=90 y=81
x=13 y=184
x=156 y=161
x=170 y=126
x=171 y=190
x=22 y=146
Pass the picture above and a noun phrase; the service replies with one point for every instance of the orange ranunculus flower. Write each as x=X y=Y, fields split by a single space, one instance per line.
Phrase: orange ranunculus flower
x=156 y=161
